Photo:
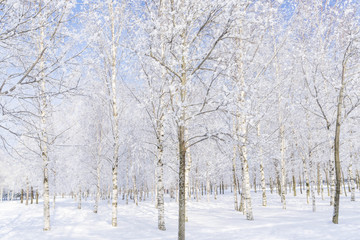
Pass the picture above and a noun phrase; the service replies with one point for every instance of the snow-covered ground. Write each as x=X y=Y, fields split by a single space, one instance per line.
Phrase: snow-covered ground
x=213 y=220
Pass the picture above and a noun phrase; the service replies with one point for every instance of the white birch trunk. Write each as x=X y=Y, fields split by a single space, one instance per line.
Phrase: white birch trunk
x=127 y=185
x=332 y=176
x=27 y=192
x=306 y=180
x=135 y=191
x=79 y=198
x=97 y=197
x=312 y=184
x=98 y=169
x=115 y=117
x=234 y=178
x=263 y=184
x=44 y=139
x=187 y=179
x=242 y=123
x=160 y=173
x=207 y=184
x=352 y=180
x=282 y=162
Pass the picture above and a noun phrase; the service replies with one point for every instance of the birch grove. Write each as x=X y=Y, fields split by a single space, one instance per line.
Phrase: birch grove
x=122 y=102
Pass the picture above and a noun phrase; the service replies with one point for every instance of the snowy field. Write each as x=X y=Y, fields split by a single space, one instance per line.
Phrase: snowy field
x=214 y=220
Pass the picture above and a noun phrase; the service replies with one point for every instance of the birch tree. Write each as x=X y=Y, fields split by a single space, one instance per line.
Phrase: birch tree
x=108 y=24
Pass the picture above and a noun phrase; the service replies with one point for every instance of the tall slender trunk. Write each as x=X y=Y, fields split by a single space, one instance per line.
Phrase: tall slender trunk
x=115 y=117
x=135 y=190
x=127 y=185
x=282 y=162
x=343 y=182
x=79 y=198
x=27 y=192
x=44 y=138
x=31 y=195
x=160 y=190
x=12 y=194
x=327 y=181
x=182 y=138
x=306 y=180
x=335 y=218
x=242 y=123
x=263 y=184
x=294 y=185
x=352 y=182
x=97 y=197
x=312 y=184
x=182 y=204
x=98 y=168
x=187 y=179
x=246 y=184
x=235 y=186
